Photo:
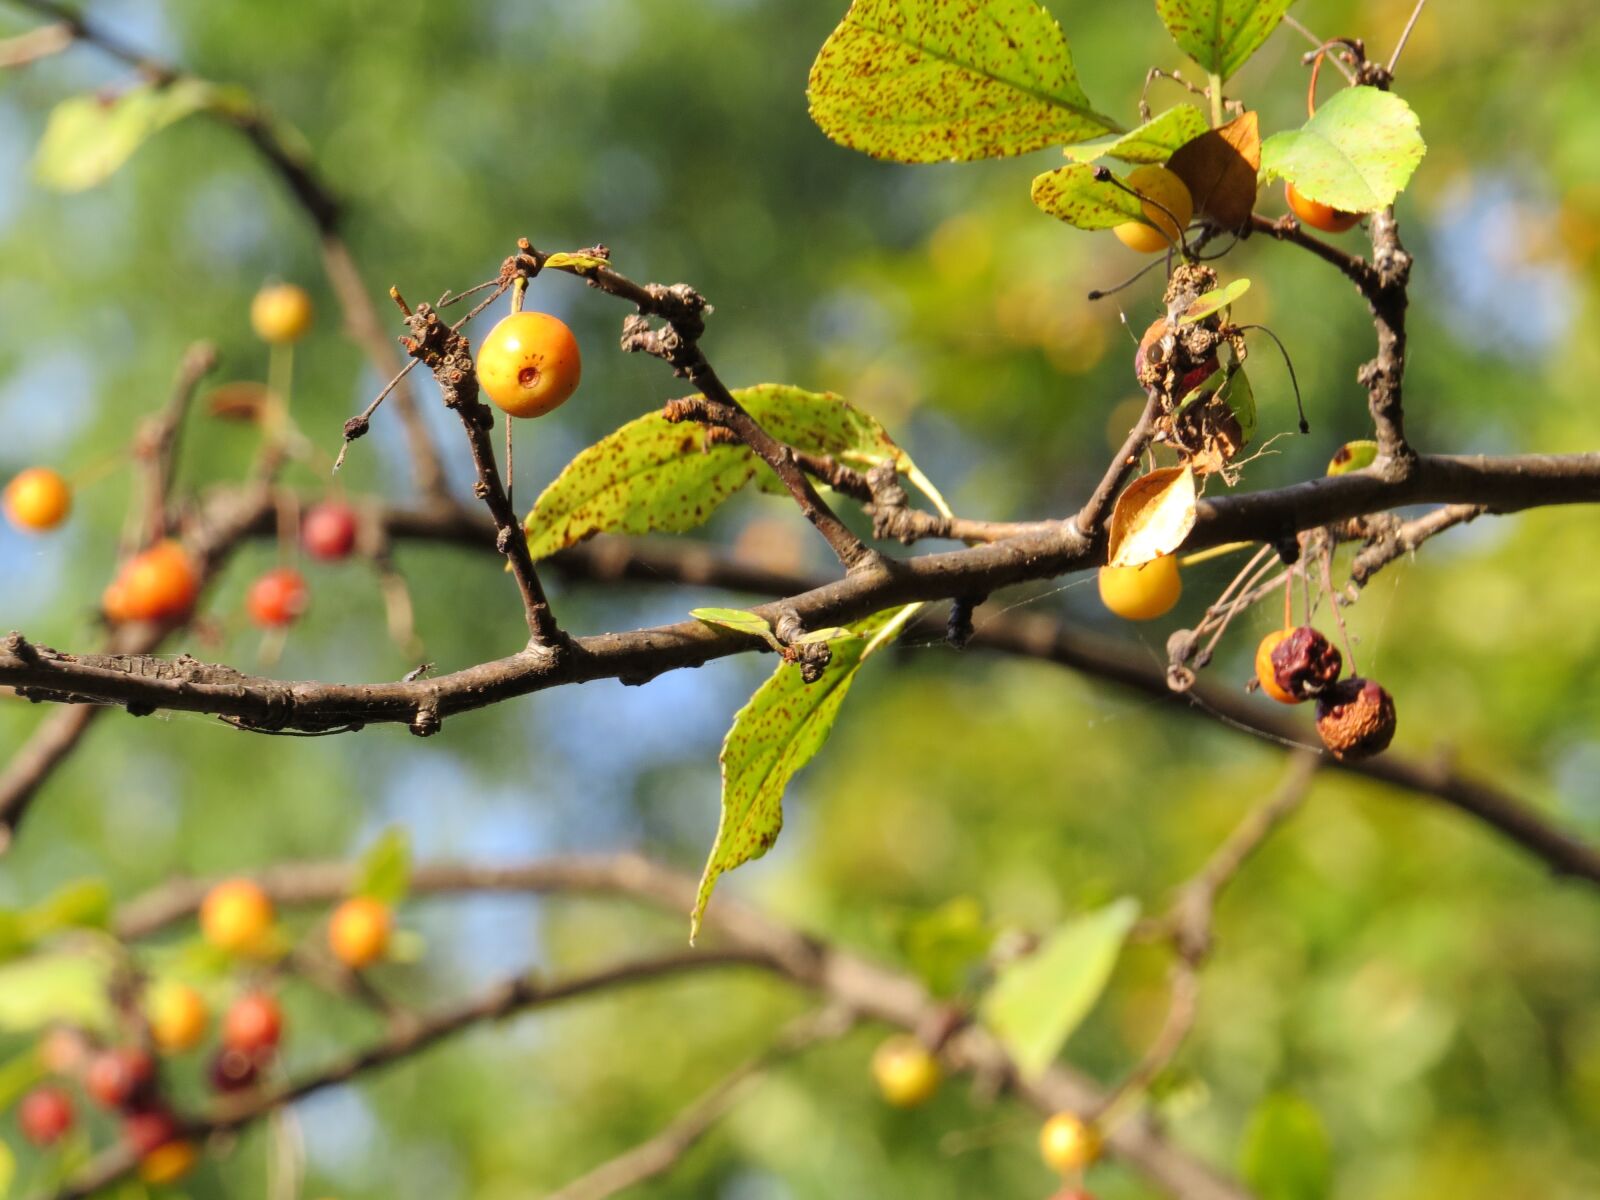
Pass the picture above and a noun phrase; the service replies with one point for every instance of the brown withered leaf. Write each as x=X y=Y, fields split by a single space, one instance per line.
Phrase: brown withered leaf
x=1152 y=517
x=1220 y=167
x=238 y=401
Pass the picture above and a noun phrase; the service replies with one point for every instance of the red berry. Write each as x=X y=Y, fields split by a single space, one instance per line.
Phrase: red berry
x=278 y=598
x=148 y=1129
x=1305 y=664
x=253 y=1025
x=329 y=530
x=45 y=1115
x=118 y=1077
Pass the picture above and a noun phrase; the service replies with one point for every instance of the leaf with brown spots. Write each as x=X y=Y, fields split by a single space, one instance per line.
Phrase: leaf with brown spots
x=772 y=737
x=1152 y=142
x=1221 y=35
x=1219 y=169
x=1075 y=196
x=656 y=476
x=940 y=80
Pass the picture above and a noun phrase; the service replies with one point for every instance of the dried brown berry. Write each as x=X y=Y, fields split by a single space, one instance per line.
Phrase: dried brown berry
x=1355 y=719
x=1306 y=664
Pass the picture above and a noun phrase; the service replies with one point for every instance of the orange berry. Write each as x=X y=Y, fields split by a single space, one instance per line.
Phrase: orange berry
x=176 y=1014
x=237 y=916
x=168 y=1162
x=1167 y=209
x=37 y=499
x=278 y=598
x=1142 y=593
x=1067 y=1143
x=529 y=364
x=158 y=584
x=253 y=1025
x=906 y=1073
x=281 y=313
x=358 y=932
x=1265 y=675
x=1318 y=215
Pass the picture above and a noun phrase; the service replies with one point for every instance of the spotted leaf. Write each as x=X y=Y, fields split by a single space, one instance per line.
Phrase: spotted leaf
x=1152 y=142
x=1221 y=35
x=937 y=80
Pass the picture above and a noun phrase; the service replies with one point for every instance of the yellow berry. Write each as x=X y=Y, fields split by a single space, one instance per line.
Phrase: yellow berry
x=237 y=916
x=906 y=1073
x=1142 y=593
x=177 y=1016
x=37 y=499
x=358 y=932
x=1167 y=209
x=1066 y=1143
x=280 y=313
x=529 y=364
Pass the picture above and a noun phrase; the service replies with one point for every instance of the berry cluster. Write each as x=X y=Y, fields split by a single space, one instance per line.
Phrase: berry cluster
x=1355 y=716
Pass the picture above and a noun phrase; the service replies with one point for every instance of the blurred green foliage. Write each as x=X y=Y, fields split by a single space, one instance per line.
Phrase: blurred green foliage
x=1431 y=994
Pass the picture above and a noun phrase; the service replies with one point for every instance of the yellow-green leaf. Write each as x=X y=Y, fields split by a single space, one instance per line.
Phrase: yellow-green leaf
x=1075 y=196
x=1353 y=456
x=1214 y=301
x=936 y=80
x=1356 y=154
x=1039 y=1000
x=1221 y=35
x=384 y=873
x=656 y=476
x=88 y=137
x=1285 y=1155
x=71 y=988
x=576 y=263
x=740 y=619
x=773 y=736
x=1152 y=142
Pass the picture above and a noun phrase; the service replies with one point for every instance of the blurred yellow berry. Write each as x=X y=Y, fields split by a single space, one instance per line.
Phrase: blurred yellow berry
x=1066 y=1143
x=37 y=499
x=281 y=313
x=1167 y=208
x=906 y=1073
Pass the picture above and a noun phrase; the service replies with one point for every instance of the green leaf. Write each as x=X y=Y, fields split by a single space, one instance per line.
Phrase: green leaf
x=8 y=1169
x=1038 y=1001
x=88 y=137
x=1075 y=196
x=1357 y=153
x=574 y=262
x=1152 y=142
x=1214 y=301
x=1353 y=456
x=17 y=1075
x=72 y=988
x=946 y=947
x=656 y=476
x=1221 y=35
x=1285 y=1155
x=831 y=634
x=920 y=81
x=84 y=904
x=773 y=736
x=740 y=619
x=384 y=872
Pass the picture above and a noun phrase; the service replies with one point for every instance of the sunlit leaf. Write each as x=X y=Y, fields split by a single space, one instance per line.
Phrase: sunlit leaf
x=84 y=904
x=831 y=634
x=1356 y=154
x=934 y=80
x=773 y=736
x=384 y=873
x=1152 y=516
x=1152 y=142
x=1285 y=1155
x=1038 y=1001
x=1221 y=35
x=564 y=261
x=88 y=137
x=1075 y=196
x=1353 y=456
x=17 y=1075
x=653 y=475
x=1214 y=301
x=71 y=988
x=946 y=947
x=740 y=619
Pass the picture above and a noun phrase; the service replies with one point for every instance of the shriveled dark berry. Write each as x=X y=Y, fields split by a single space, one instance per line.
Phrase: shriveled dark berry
x=233 y=1071
x=1355 y=719
x=1306 y=664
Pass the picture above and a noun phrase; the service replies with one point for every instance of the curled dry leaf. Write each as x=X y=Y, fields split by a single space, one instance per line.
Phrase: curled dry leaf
x=1219 y=167
x=1152 y=516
